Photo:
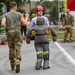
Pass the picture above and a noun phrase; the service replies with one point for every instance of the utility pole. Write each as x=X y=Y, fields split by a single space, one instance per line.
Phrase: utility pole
x=58 y=12
x=30 y=9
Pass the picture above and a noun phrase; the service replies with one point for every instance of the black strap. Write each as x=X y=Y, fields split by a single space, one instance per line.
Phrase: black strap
x=41 y=34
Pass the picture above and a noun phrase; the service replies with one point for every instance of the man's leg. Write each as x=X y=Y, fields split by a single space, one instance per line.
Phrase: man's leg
x=65 y=36
x=71 y=34
x=39 y=56
x=46 y=54
x=17 y=44
x=24 y=32
x=11 y=49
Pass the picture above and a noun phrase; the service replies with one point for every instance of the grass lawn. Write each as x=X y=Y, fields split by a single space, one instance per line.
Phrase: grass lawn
x=60 y=33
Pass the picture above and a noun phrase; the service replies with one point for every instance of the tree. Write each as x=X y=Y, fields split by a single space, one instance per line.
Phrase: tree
x=52 y=7
x=54 y=11
x=7 y=2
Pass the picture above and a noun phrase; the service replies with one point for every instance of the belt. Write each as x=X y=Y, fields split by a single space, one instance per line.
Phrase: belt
x=41 y=34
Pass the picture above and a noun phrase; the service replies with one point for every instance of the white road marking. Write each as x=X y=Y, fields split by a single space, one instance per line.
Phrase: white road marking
x=66 y=54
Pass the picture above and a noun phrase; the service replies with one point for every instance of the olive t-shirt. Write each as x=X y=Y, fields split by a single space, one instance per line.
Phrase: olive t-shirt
x=13 y=20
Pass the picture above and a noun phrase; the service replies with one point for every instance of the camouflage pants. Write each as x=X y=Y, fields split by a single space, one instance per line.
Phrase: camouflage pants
x=68 y=31
x=14 y=43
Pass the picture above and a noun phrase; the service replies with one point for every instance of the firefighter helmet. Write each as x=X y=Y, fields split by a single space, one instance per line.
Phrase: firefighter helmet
x=39 y=8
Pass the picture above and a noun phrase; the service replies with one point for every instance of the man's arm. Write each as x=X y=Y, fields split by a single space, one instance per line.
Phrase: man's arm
x=33 y=22
x=47 y=21
x=54 y=38
x=54 y=34
x=3 y=22
x=28 y=36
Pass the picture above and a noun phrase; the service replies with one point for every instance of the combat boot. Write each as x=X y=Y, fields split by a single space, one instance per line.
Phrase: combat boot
x=12 y=67
x=63 y=41
x=17 y=66
x=70 y=40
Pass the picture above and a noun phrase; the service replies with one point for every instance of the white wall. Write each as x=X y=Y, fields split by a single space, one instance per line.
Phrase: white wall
x=73 y=13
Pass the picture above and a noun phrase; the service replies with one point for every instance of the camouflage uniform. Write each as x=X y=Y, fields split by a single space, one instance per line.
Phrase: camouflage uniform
x=14 y=38
x=41 y=42
x=68 y=23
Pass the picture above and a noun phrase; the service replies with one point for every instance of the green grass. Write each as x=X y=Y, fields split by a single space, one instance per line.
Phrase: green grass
x=60 y=33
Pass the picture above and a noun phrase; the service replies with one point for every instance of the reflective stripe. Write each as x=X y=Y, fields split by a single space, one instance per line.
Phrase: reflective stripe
x=39 y=52
x=46 y=52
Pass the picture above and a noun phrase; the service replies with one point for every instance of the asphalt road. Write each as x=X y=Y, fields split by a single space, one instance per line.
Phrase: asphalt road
x=60 y=62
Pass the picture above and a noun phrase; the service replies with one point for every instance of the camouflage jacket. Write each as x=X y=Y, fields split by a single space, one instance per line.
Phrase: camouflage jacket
x=68 y=20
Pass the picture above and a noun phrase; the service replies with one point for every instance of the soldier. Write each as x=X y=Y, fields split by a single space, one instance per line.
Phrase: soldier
x=41 y=42
x=11 y=21
x=68 y=23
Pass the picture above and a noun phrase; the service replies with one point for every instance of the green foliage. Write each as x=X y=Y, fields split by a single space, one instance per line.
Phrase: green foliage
x=54 y=11
x=52 y=6
x=60 y=33
x=21 y=10
x=32 y=10
x=1 y=30
x=0 y=24
x=7 y=2
x=47 y=4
